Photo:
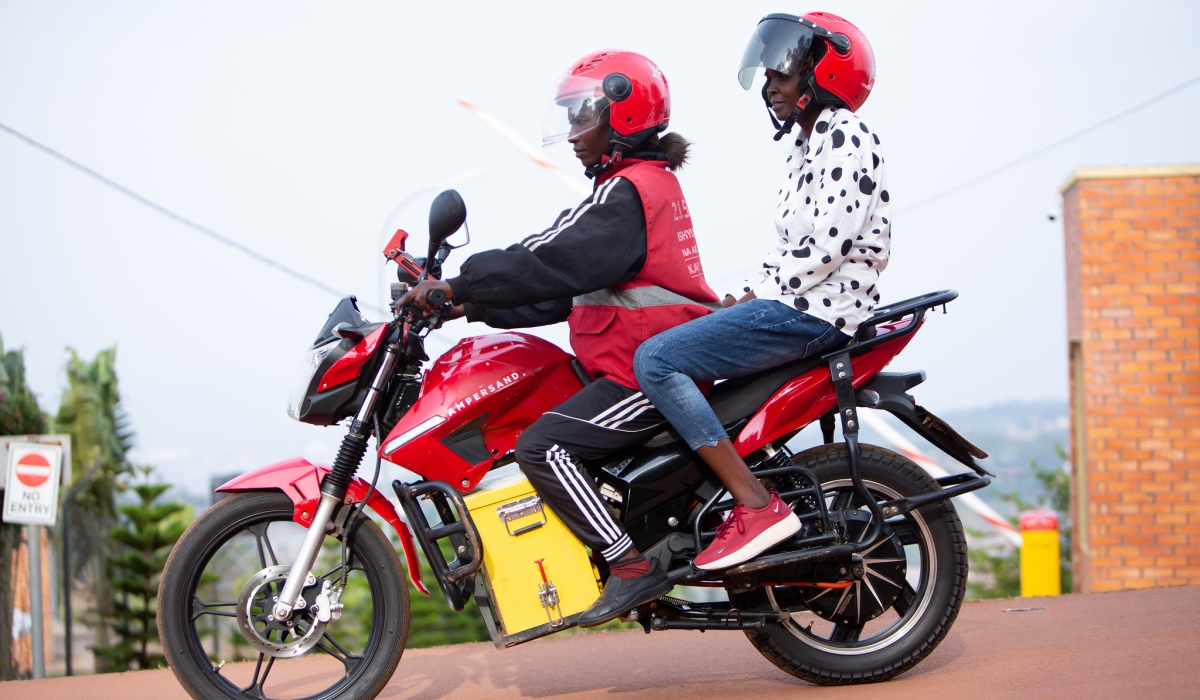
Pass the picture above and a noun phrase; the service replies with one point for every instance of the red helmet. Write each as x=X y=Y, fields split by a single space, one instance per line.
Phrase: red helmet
x=845 y=64
x=630 y=85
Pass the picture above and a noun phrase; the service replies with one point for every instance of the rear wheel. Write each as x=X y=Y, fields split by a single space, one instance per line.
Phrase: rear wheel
x=906 y=601
x=215 y=601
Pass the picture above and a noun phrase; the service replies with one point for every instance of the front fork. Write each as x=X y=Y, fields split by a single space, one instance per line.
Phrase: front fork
x=333 y=487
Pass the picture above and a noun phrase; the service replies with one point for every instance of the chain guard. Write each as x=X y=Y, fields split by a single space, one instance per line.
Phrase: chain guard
x=868 y=596
x=260 y=628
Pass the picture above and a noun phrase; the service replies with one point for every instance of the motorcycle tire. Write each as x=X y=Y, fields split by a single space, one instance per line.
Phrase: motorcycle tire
x=942 y=581
x=366 y=673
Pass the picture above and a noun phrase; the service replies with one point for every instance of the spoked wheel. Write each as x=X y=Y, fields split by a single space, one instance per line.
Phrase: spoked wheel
x=216 y=599
x=912 y=584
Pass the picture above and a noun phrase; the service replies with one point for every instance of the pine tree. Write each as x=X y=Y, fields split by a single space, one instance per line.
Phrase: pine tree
x=19 y=415
x=146 y=537
x=90 y=412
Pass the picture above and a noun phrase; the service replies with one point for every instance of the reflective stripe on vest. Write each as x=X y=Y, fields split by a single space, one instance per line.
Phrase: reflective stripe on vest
x=639 y=298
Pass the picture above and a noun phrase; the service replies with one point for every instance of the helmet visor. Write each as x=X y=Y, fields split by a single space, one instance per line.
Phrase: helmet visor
x=577 y=107
x=778 y=44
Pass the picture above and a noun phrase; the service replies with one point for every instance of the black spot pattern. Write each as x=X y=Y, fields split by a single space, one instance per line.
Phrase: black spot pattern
x=833 y=232
x=831 y=199
x=854 y=140
x=826 y=302
x=794 y=282
x=866 y=186
x=839 y=139
x=802 y=253
x=846 y=246
x=874 y=161
x=821 y=127
x=836 y=173
x=825 y=259
x=885 y=197
x=864 y=128
x=801 y=303
x=854 y=284
x=842 y=194
x=840 y=323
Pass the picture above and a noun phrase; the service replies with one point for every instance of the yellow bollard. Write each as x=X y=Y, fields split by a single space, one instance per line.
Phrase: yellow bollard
x=1040 y=573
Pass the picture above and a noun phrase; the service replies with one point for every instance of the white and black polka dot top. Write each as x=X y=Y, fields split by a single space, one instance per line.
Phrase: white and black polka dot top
x=834 y=224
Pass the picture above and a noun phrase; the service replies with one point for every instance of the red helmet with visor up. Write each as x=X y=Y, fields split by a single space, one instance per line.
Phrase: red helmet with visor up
x=844 y=64
x=629 y=85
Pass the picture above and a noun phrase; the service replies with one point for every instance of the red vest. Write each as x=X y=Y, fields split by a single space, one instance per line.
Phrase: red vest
x=608 y=326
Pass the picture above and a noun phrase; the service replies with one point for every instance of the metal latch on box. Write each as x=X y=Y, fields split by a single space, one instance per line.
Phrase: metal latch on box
x=548 y=594
x=530 y=505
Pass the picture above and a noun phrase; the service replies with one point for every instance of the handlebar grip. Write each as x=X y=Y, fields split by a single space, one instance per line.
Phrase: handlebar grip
x=436 y=297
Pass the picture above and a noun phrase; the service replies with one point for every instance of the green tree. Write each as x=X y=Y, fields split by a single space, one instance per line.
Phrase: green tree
x=146 y=537
x=19 y=415
x=90 y=412
x=1000 y=565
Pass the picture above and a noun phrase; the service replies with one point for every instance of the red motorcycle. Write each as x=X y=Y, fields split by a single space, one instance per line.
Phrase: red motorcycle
x=289 y=562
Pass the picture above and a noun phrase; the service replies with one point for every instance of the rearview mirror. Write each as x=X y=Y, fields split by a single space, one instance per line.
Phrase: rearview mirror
x=446 y=215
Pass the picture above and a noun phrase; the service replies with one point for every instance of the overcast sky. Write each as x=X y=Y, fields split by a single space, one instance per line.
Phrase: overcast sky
x=297 y=128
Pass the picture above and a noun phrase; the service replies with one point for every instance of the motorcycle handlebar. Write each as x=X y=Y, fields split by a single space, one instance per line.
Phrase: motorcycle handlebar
x=436 y=297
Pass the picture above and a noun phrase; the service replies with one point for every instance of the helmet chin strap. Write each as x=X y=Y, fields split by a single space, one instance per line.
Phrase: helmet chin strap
x=797 y=111
x=619 y=145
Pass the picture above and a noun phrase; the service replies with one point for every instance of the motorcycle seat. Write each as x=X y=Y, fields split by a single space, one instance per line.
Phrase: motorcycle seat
x=735 y=400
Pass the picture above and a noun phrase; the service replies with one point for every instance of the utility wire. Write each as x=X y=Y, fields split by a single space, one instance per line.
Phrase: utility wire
x=179 y=218
x=1045 y=149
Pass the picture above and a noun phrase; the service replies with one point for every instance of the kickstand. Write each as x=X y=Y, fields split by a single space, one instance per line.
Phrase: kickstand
x=841 y=371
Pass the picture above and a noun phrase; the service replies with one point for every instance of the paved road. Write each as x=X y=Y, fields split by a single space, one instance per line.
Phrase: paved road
x=1143 y=644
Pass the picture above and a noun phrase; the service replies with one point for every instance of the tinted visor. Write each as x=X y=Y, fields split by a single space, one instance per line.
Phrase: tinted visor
x=777 y=44
x=576 y=108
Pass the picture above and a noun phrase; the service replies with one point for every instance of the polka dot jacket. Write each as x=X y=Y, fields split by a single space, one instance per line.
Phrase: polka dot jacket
x=834 y=225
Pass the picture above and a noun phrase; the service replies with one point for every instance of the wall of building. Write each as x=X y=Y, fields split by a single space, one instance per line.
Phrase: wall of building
x=1133 y=305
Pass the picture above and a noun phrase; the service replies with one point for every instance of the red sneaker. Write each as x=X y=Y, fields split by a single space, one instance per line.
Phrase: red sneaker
x=747 y=532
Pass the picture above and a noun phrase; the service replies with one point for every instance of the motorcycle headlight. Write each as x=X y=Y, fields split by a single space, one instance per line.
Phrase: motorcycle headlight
x=311 y=363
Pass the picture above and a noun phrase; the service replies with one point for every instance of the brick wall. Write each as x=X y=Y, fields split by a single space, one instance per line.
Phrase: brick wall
x=1133 y=305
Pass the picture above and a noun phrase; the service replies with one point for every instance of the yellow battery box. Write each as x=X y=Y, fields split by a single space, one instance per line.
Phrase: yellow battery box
x=537 y=575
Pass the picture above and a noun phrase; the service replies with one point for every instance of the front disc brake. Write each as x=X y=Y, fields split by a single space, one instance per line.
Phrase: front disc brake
x=260 y=627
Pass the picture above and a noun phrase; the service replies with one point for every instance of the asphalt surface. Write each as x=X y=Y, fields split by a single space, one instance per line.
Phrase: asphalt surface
x=1143 y=644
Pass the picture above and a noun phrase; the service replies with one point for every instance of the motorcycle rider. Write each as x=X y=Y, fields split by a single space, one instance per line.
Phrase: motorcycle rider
x=620 y=267
x=818 y=279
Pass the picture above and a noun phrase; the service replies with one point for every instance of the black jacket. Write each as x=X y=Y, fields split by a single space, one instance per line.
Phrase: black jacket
x=598 y=244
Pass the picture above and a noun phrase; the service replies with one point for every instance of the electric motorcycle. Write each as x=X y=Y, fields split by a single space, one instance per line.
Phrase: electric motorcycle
x=290 y=564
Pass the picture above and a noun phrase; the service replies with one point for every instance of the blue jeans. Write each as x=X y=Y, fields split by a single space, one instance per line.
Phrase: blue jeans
x=730 y=343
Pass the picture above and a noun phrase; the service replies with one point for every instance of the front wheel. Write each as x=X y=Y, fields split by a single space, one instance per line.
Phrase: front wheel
x=907 y=599
x=215 y=600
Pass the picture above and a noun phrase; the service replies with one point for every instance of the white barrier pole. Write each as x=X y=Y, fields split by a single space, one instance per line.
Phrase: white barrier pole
x=902 y=445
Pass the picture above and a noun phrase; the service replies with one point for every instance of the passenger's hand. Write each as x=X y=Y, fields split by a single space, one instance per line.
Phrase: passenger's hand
x=417 y=295
x=728 y=301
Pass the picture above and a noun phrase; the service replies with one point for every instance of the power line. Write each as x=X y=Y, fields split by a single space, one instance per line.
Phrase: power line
x=1045 y=149
x=179 y=218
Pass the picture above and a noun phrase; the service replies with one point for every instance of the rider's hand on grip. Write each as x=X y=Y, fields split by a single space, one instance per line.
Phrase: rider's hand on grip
x=427 y=297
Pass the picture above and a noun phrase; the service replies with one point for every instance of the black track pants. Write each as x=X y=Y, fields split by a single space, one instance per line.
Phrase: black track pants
x=602 y=418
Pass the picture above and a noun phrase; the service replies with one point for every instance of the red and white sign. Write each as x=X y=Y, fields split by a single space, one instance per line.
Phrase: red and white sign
x=31 y=486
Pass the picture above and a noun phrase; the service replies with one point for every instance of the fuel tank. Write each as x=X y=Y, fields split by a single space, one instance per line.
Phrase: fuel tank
x=475 y=401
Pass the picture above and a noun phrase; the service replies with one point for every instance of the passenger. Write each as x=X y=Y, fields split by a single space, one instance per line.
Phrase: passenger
x=819 y=276
x=619 y=268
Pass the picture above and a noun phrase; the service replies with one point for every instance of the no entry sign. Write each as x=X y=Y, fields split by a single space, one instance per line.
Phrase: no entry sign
x=31 y=486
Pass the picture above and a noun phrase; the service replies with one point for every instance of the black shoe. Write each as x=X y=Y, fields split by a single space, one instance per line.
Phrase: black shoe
x=621 y=596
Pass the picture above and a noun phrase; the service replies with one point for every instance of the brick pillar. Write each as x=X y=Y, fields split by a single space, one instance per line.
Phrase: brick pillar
x=1133 y=331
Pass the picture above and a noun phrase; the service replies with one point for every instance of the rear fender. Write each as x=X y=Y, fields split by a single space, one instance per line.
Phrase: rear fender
x=300 y=480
